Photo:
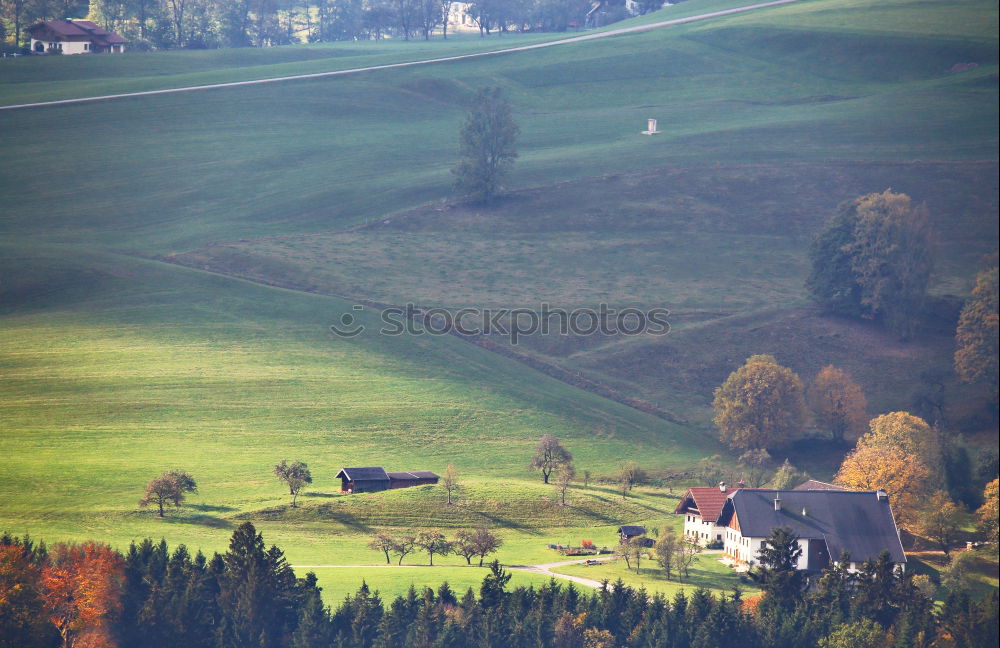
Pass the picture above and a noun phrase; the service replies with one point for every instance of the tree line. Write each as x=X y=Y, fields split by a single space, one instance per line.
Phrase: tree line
x=249 y=597
x=199 y=24
x=468 y=543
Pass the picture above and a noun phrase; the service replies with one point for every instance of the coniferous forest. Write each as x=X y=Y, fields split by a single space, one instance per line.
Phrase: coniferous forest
x=91 y=595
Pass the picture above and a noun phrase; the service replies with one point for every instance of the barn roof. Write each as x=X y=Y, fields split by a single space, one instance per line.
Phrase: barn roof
x=414 y=474
x=813 y=484
x=376 y=473
x=630 y=531
x=857 y=522
x=707 y=501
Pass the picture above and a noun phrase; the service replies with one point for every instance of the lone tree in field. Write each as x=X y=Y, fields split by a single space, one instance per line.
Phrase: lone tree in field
x=976 y=337
x=838 y=404
x=549 y=455
x=486 y=543
x=296 y=475
x=486 y=146
x=168 y=488
x=873 y=259
x=565 y=475
x=450 y=481
x=760 y=405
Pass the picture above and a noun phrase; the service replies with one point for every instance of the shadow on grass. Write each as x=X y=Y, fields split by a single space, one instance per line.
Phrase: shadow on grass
x=320 y=495
x=209 y=521
x=212 y=507
x=507 y=523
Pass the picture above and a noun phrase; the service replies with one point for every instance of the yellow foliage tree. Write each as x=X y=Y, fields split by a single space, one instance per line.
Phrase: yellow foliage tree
x=760 y=405
x=976 y=337
x=902 y=475
x=838 y=404
x=989 y=512
x=912 y=435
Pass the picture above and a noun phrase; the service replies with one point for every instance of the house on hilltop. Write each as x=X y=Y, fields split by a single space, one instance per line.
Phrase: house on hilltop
x=827 y=522
x=73 y=37
x=374 y=479
x=701 y=508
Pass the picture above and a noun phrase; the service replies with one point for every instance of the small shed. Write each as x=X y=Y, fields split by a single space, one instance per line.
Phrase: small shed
x=363 y=480
x=414 y=478
x=629 y=532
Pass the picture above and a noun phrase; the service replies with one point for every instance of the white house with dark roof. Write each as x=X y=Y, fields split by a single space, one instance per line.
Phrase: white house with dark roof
x=827 y=522
x=73 y=37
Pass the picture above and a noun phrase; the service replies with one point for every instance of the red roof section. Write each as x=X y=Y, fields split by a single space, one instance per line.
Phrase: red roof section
x=79 y=30
x=708 y=500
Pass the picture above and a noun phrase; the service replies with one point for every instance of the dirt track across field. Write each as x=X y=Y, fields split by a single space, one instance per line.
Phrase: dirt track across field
x=447 y=59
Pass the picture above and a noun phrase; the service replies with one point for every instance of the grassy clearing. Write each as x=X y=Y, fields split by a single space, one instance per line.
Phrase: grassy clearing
x=706 y=572
x=983 y=578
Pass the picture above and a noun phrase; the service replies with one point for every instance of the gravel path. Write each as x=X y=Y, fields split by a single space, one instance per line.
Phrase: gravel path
x=320 y=75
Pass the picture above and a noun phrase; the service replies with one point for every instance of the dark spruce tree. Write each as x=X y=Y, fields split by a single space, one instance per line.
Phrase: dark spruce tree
x=776 y=572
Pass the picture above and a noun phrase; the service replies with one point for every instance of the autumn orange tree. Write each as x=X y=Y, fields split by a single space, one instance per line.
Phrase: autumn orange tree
x=838 y=404
x=760 y=405
x=941 y=521
x=976 y=337
x=82 y=589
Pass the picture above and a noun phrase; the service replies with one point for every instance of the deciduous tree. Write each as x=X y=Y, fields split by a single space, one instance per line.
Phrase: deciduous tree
x=787 y=476
x=464 y=545
x=549 y=455
x=403 y=545
x=295 y=475
x=874 y=259
x=23 y=623
x=486 y=543
x=383 y=542
x=486 y=146
x=629 y=474
x=989 y=513
x=450 y=481
x=685 y=556
x=82 y=589
x=838 y=404
x=565 y=475
x=941 y=521
x=755 y=466
x=760 y=405
x=976 y=337
x=909 y=433
x=168 y=488
x=668 y=544
x=434 y=543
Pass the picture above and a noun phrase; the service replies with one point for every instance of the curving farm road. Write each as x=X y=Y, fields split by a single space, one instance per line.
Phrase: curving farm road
x=320 y=75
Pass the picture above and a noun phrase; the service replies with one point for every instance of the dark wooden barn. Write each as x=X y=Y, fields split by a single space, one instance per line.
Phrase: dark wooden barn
x=374 y=479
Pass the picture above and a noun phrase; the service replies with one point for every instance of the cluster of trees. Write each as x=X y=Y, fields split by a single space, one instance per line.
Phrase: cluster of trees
x=764 y=405
x=165 y=24
x=468 y=543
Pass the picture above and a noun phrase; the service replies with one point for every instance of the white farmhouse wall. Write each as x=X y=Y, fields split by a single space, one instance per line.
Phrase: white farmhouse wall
x=71 y=47
x=701 y=531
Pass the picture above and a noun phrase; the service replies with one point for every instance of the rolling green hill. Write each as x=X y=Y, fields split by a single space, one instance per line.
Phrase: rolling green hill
x=118 y=365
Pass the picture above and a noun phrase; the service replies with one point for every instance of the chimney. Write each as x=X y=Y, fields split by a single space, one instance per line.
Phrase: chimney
x=882 y=495
x=777 y=502
x=722 y=487
x=742 y=484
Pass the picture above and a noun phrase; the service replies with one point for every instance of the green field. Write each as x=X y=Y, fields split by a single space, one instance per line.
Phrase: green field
x=171 y=264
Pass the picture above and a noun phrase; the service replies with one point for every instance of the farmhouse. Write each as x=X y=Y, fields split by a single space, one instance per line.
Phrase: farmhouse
x=828 y=522
x=701 y=508
x=373 y=479
x=73 y=37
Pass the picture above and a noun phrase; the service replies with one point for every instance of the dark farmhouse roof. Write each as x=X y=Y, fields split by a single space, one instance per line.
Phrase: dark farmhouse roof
x=706 y=502
x=77 y=30
x=413 y=474
x=813 y=484
x=630 y=531
x=857 y=522
x=363 y=474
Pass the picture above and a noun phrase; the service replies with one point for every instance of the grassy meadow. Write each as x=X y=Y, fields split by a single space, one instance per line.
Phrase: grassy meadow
x=171 y=264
